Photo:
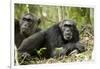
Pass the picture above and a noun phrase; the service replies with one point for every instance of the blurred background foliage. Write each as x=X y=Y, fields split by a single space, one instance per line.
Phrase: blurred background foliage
x=50 y=15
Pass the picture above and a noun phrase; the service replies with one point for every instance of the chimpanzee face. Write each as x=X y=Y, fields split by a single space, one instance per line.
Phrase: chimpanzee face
x=67 y=27
x=28 y=23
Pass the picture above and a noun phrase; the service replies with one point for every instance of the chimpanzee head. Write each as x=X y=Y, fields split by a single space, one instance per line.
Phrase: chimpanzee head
x=28 y=23
x=67 y=28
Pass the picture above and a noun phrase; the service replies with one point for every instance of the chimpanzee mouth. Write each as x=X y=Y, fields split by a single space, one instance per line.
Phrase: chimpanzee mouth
x=67 y=36
x=25 y=31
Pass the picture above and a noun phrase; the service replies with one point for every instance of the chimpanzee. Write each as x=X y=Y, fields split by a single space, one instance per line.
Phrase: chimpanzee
x=25 y=27
x=62 y=35
x=28 y=24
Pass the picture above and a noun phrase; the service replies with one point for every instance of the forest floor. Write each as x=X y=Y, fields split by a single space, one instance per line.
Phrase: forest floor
x=85 y=56
x=87 y=39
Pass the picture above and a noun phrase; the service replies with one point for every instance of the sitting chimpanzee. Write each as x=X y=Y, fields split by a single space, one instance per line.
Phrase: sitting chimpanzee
x=62 y=35
x=25 y=27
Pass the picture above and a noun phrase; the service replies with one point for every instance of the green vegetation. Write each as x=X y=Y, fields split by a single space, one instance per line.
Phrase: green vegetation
x=53 y=14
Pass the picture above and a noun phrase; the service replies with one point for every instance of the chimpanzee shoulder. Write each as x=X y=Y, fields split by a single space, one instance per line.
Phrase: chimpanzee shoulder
x=53 y=36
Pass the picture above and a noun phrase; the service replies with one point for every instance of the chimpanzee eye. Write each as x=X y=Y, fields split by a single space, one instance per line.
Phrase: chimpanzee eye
x=24 y=19
x=29 y=20
x=66 y=25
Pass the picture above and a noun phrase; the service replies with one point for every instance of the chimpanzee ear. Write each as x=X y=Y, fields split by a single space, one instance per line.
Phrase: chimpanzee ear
x=60 y=23
x=39 y=20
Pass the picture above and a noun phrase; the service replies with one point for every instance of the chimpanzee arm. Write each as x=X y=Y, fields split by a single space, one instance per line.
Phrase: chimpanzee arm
x=31 y=43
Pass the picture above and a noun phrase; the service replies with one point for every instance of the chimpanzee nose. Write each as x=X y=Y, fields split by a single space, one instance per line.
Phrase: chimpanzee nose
x=23 y=29
x=25 y=26
x=67 y=33
x=68 y=30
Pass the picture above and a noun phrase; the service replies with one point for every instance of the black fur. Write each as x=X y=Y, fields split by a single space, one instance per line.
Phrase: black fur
x=53 y=38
